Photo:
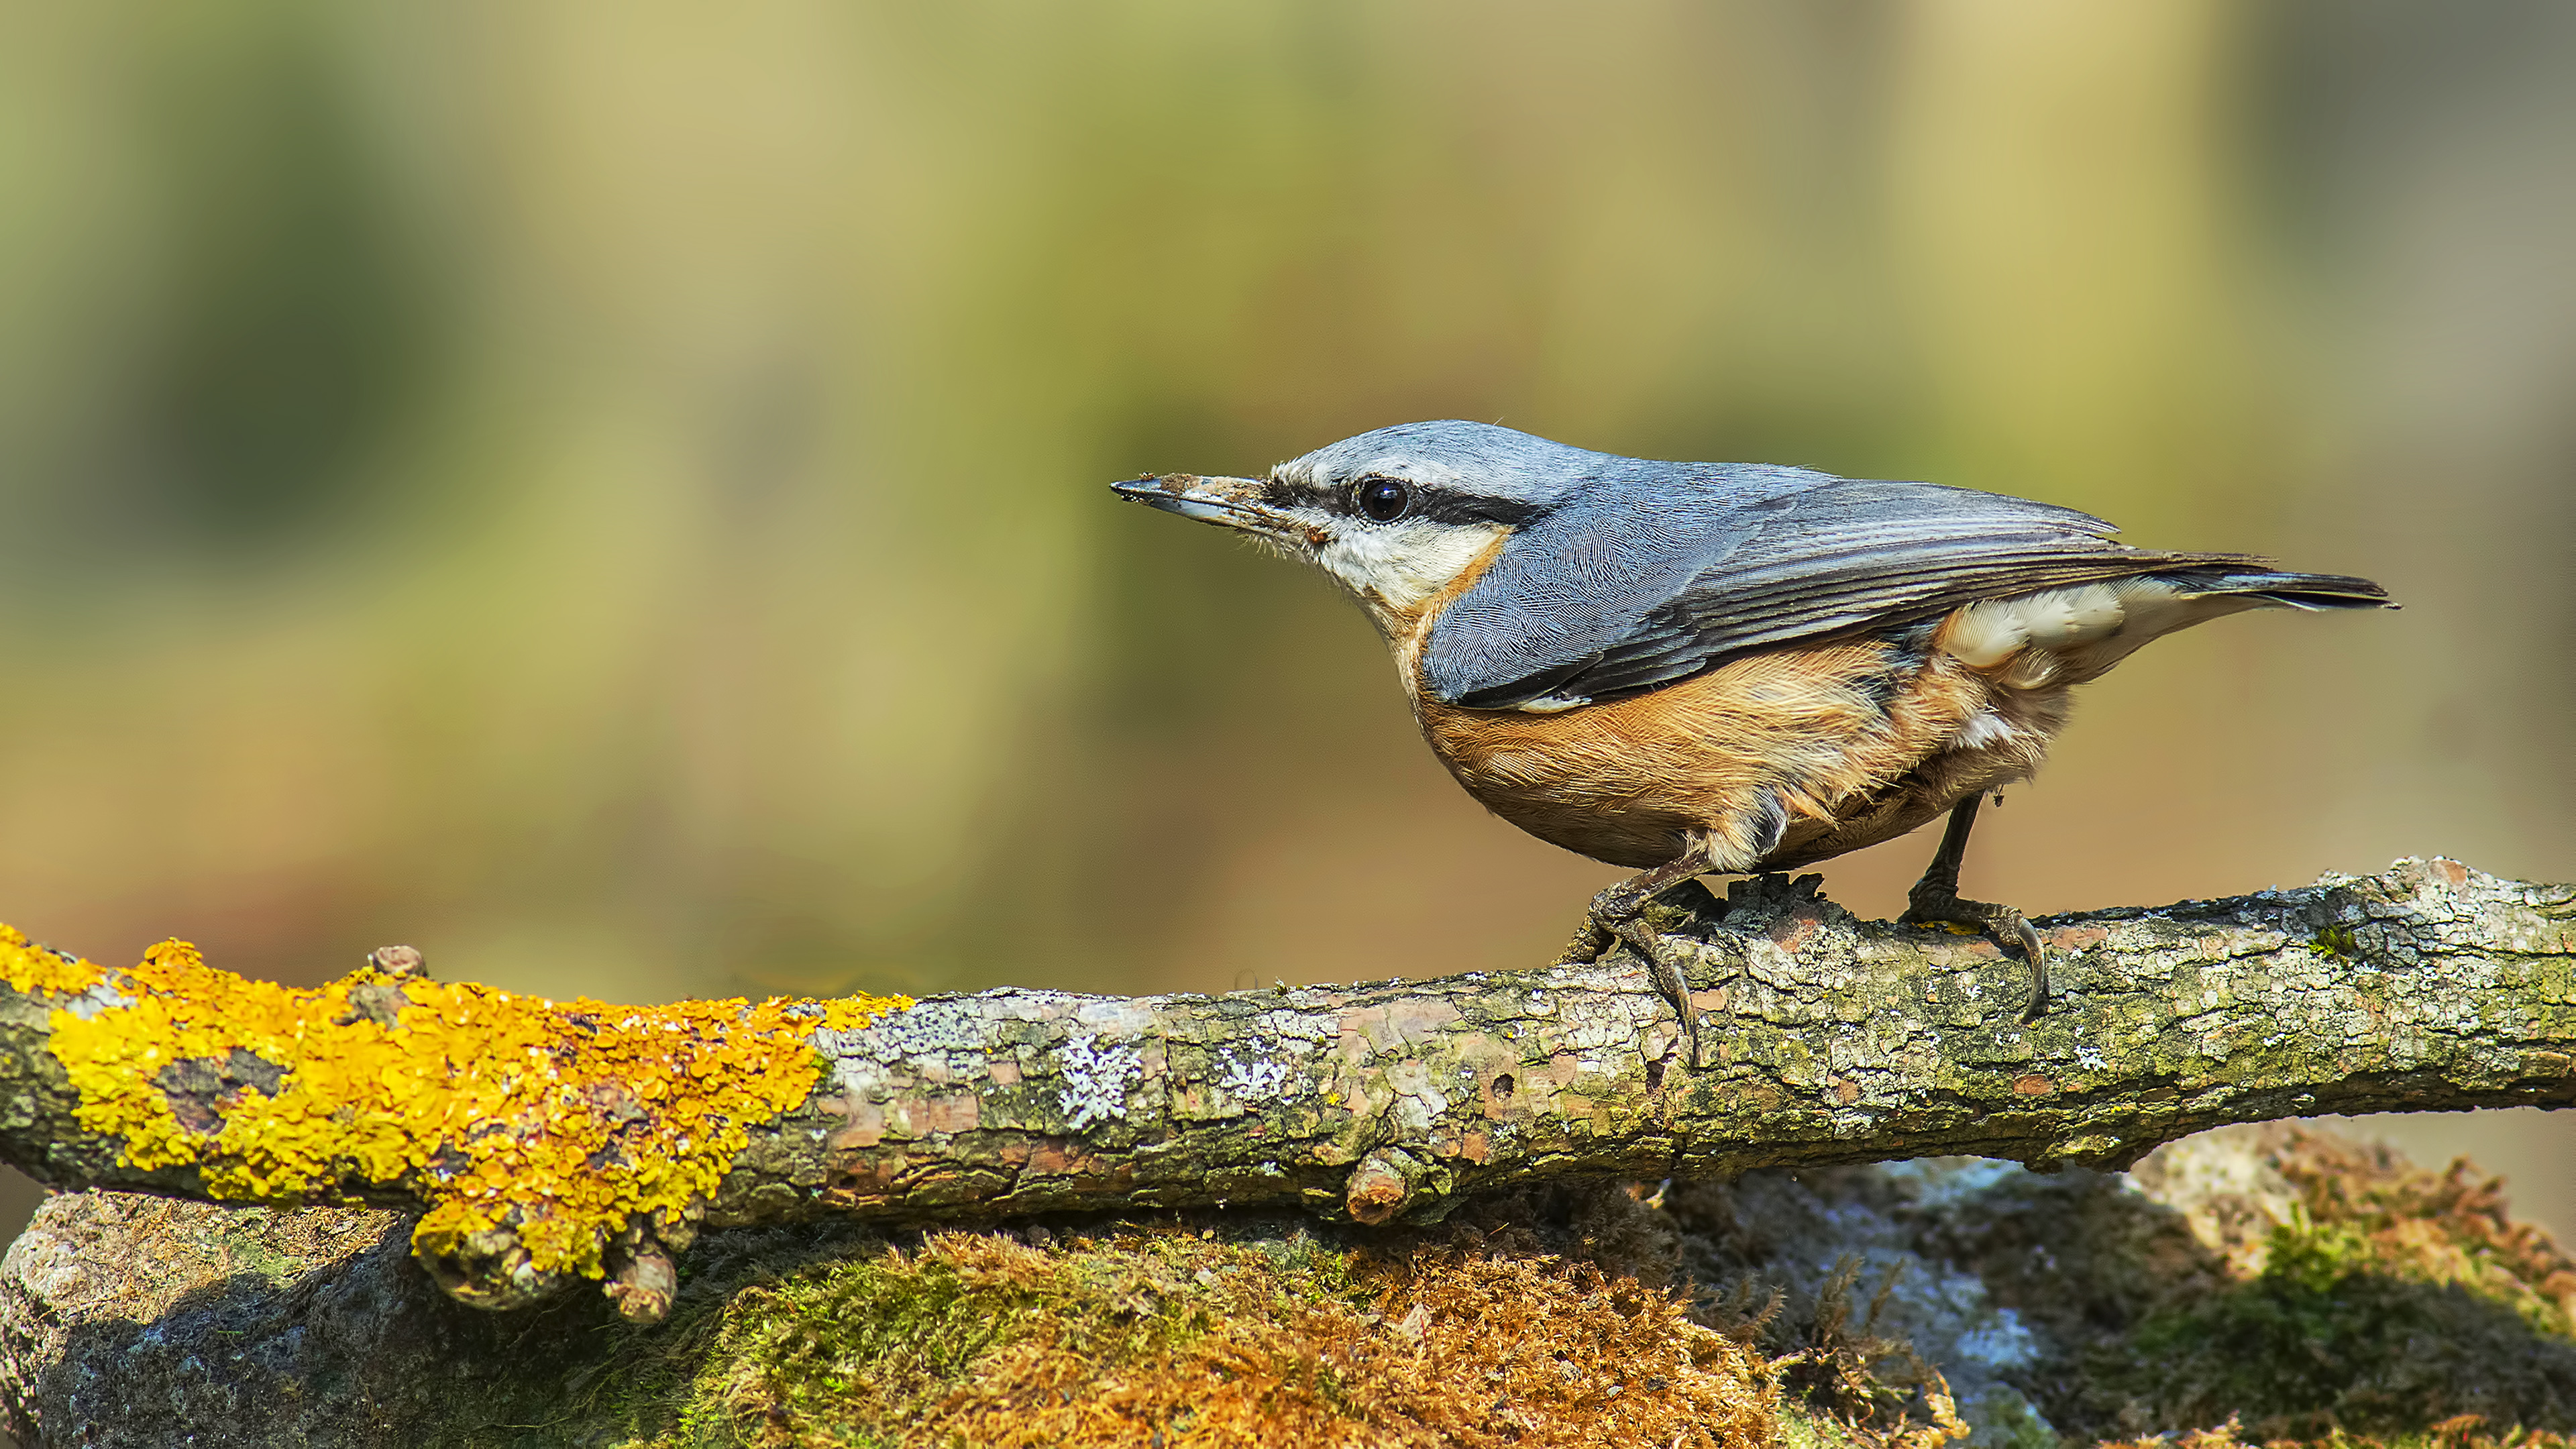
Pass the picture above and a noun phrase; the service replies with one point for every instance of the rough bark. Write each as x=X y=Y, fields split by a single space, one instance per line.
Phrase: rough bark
x=1829 y=1040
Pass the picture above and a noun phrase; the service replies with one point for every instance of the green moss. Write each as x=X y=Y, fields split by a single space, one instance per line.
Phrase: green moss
x=1801 y=1428
x=2386 y=1306
x=246 y=1240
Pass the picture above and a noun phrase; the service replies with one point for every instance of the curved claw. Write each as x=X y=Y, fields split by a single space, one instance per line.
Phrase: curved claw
x=2037 y=955
x=1619 y=914
x=1617 y=917
x=1928 y=904
x=1670 y=984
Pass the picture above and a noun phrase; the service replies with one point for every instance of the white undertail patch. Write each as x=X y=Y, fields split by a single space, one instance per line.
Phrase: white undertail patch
x=1984 y=633
x=2076 y=634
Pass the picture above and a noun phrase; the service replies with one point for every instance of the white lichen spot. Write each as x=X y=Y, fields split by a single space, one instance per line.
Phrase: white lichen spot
x=102 y=997
x=954 y=1028
x=1258 y=1080
x=1096 y=1079
x=859 y=1079
x=1297 y=1029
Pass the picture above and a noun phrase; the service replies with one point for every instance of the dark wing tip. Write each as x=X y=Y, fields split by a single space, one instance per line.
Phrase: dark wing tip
x=2302 y=591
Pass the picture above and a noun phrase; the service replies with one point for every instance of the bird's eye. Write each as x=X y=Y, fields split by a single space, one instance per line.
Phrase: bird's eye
x=1383 y=499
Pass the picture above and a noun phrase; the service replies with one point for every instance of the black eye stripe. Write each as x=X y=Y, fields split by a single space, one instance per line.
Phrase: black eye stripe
x=1436 y=504
x=1441 y=506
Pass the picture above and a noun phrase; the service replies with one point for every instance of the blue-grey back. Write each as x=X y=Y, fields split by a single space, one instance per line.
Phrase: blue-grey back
x=1642 y=573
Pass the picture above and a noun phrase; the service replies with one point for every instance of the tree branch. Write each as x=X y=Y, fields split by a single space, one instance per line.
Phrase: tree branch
x=549 y=1141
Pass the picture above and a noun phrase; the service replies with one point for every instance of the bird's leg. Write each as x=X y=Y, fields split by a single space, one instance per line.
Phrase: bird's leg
x=1936 y=898
x=1619 y=914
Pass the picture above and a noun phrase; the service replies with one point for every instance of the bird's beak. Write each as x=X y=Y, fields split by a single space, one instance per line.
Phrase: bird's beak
x=1233 y=502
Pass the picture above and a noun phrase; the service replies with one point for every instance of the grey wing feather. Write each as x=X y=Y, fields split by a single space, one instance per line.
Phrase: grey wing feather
x=1725 y=579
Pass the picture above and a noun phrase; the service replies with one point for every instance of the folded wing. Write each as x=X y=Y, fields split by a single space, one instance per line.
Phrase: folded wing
x=1563 y=618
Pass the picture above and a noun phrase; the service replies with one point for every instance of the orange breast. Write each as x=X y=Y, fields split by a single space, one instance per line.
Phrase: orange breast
x=1819 y=730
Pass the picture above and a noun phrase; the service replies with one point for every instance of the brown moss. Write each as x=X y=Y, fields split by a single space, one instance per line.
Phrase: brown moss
x=1180 y=1338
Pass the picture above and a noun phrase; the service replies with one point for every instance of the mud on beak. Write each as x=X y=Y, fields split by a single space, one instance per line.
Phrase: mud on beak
x=1233 y=502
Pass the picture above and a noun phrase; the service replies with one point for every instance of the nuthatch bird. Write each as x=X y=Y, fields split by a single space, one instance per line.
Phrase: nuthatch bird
x=1702 y=668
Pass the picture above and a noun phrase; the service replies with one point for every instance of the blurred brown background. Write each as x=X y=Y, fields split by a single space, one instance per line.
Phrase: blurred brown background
x=612 y=494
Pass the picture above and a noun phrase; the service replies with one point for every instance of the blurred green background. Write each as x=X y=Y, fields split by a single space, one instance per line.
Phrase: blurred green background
x=612 y=494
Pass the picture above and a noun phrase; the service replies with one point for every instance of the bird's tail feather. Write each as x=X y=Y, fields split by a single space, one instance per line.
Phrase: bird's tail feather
x=2299 y=591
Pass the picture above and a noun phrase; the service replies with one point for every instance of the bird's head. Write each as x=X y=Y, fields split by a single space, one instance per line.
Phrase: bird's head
x=1396 y=516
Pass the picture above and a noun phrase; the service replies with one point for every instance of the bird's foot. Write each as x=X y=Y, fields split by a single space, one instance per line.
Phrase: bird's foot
x=1931 y=903
x=1617 y=917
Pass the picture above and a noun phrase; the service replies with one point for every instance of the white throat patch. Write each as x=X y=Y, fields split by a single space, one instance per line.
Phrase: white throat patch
x=1393 y=567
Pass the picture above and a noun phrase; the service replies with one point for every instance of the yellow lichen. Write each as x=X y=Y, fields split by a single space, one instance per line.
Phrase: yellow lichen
x=559 y=1120
x=27 y=967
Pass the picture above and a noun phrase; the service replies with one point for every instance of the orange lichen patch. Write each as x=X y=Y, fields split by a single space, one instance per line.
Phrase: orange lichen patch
x=28 y=967
x=559 y=1121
